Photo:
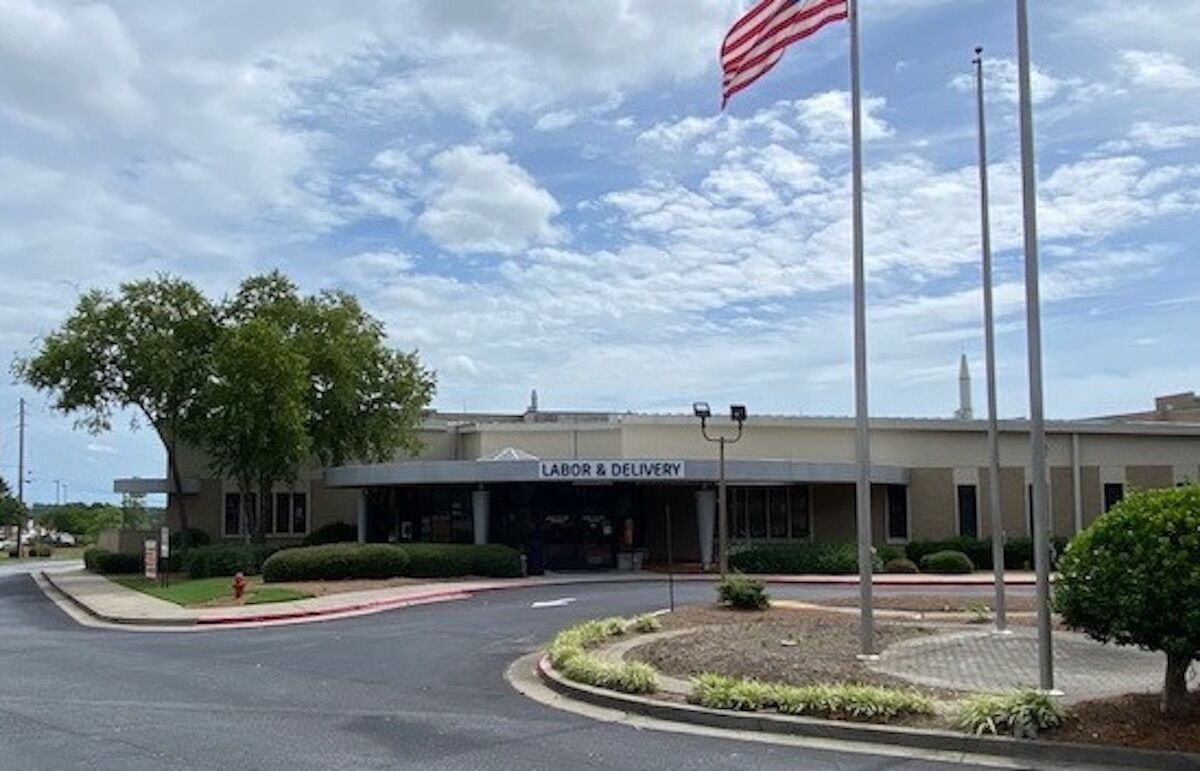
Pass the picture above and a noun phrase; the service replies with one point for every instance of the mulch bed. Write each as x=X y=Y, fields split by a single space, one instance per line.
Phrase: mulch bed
x=819 y=646
x=937 y=603
x=1131 y=721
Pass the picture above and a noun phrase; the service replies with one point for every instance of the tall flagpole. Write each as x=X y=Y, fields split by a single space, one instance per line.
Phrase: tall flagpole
x=989 y=335
x=1037 y=418
x=862 y=440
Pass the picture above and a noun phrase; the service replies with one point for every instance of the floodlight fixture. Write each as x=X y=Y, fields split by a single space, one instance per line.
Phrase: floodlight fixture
x=702 y=410
x=737 y=413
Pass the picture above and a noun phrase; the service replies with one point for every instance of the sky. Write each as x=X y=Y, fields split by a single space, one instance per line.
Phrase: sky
x=539 y=194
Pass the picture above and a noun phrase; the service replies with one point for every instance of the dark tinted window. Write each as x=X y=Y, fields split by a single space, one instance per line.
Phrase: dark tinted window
x=968 y=511
x=232 y=514
x=1113 y=493
x=897 y=512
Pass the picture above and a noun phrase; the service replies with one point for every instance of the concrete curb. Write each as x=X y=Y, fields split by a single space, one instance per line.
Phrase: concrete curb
x=920 y=738
x=122 y=620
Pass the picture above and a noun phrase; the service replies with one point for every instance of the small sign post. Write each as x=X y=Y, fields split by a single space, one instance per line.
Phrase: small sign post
x=164 y=552
x=150 y=558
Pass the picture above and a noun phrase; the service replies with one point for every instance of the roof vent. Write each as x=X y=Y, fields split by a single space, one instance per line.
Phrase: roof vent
x=510 y=453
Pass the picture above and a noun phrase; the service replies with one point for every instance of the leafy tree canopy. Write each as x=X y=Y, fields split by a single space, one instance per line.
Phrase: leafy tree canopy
x=1133 y=578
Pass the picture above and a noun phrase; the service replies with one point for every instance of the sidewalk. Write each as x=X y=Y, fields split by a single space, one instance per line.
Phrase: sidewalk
x=116 y=604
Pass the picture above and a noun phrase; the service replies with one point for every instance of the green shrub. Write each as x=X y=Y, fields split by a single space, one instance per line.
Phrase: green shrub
x=183 y=540
x=832 y=700
x=978 y=550
x=568 y=654
x=334 y=532
x=495 y=560
x=623 y=676
x=336 y=562
x=39 y=550
x=646 y=623
x=225 y=559
x=888 y=552
x=448 y=560
x=828 y=558
x=1018 y=552
x=743 y=593
x=106 y=562
x=1021 y=713
x=900 y=565
x=1133 y=578
x=947 y=562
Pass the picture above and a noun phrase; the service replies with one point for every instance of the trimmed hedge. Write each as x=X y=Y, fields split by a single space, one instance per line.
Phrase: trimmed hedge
x=335 y=562
x=829 y=558
x=225 y=559
x=447 y=560
x=342 y=561
x=106 y=562
x=1018 y=552
x=947 y=562
x=334 y=532
x=192 y=538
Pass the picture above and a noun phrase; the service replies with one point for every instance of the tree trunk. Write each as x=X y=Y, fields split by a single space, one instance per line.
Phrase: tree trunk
x=264 y=510
x=247 y=525
x=177 y=482
x=1174 y=696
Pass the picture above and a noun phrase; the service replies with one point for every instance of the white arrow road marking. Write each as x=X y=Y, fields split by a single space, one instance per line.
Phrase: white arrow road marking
x=553 y=603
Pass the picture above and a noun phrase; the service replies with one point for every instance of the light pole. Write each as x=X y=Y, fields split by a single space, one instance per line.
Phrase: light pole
x=737 y=413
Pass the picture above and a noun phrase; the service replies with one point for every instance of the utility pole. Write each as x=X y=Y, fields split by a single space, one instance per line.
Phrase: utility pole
x=57 y=492
x=21 y=476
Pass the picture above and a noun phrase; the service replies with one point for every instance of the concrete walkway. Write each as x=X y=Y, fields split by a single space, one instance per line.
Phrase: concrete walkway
x=113 y=603
x=979 y=660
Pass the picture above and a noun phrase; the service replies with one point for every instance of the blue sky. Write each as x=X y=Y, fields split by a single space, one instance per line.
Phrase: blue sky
x=543 y=195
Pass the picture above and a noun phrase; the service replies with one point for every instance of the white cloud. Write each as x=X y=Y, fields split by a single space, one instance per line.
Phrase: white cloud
x=1159 y=69
x=484 y=202
x=554 y=121
x=1151 y=135
x=1001 y=84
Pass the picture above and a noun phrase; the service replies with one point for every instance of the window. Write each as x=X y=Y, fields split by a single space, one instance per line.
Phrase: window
x=768 y=513
x=968 y=511
x=233 y=514
x=897 y=513
x=1113 y=493
x=290 y=516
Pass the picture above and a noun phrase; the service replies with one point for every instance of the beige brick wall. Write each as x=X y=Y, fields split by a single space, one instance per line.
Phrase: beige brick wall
x=931 y=503
x=1149 y=477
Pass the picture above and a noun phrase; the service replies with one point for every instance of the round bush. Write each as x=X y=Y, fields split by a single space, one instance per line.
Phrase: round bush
x=947 y=562
x=743 y=593
x=336 y=562
x=900 y=565
x=334 y=532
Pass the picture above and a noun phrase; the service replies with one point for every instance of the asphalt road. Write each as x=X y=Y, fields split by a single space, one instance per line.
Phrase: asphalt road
x=416 y=688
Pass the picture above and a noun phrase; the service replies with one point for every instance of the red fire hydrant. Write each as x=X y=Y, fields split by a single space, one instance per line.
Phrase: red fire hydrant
x=239 y=585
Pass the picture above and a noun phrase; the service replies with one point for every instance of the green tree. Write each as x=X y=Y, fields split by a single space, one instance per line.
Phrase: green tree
x=10 y=508
x=79 y=518
x=1133 y=577
x=144 y=349
x=362 y=400
x=253 y=426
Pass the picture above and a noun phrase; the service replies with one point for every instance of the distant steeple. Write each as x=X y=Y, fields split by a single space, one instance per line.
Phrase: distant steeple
x=964 y=411
x=533 y=405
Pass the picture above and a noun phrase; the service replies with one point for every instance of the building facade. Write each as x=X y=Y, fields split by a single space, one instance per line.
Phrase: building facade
x=589 y=490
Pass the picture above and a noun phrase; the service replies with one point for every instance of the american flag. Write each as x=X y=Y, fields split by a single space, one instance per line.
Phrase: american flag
x=756 y=40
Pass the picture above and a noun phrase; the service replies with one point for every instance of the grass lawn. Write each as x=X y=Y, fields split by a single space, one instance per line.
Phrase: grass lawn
x=205 y=591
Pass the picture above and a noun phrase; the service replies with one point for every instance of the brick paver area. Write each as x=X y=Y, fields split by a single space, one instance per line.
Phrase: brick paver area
x=978 y=660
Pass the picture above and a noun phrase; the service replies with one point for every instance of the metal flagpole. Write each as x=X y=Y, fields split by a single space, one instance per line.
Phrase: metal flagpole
x=862 y=441
x=989 y=335
x=1037 y=418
